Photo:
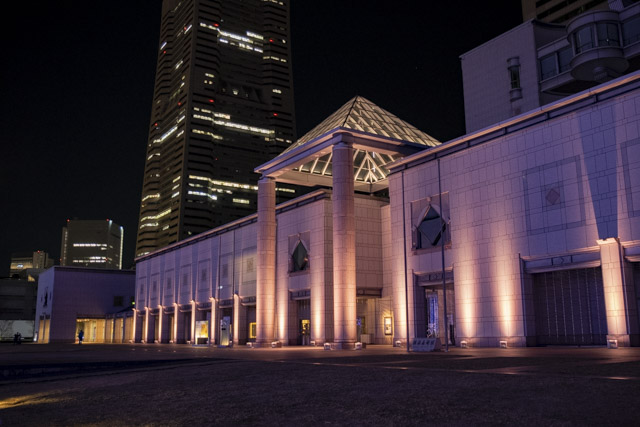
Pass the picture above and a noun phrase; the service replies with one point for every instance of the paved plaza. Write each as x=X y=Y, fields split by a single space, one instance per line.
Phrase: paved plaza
x=198 y=385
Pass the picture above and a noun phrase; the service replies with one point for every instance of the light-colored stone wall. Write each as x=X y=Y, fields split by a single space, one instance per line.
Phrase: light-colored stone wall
x=552 y=188
x=486 y=80
x=74 y=291
x=227 y=261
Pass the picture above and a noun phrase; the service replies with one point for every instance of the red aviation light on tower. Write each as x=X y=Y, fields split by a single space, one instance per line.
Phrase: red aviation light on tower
x=211 y=101
x=275 y=114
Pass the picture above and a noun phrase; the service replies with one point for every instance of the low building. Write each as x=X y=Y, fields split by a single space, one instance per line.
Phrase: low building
x=524 y=233
x=17 y=308
x=538 y=63
x=97 y=301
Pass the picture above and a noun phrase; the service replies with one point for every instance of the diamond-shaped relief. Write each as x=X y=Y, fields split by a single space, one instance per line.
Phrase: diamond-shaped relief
x=553 y=196
x=300 y=257
x=431 y=227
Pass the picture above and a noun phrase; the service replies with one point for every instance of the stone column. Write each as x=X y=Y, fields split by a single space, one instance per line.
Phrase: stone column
x=240 y=326
x=618 y=294
x=266 y=266
x=213 y=322
x=148 y=327
x=194 y=313
x=344 y=247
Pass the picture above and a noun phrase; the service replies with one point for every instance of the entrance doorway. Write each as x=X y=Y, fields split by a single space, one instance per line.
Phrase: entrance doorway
x=434 y=316
x=93 y=329
x=226 y=328
x=569 y=307
x=251 y=323
x=304 y=322
x=365 y=320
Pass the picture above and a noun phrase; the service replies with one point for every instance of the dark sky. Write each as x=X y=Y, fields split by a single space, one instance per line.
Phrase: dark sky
x=77 y=81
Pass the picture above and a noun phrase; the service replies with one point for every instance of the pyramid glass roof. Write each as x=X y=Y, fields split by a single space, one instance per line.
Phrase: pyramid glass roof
x=362 y=115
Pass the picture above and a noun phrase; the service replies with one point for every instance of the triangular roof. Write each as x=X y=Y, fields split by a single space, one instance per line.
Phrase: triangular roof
x=379 y=138
x=362 y=115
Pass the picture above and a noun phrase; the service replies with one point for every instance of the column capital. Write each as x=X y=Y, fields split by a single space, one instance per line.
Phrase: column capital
x=266 y=179
x=608 y=241
x=343 y=144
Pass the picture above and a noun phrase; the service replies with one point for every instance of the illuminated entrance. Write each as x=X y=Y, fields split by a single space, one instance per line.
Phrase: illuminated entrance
x=430 y=300
x=93 y=329
x=304 y=322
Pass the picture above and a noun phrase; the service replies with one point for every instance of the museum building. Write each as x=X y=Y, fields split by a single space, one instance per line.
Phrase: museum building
x=526 y=232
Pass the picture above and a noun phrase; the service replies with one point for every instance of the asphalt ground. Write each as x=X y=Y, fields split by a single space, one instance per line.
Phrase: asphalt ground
x=162 y=384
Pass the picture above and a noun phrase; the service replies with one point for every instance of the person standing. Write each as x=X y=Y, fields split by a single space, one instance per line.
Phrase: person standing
x=80 y=336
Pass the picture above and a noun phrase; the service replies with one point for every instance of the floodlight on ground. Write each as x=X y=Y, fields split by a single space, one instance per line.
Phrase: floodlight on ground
x=612 y=344
x=463 y=344
x=503 y=344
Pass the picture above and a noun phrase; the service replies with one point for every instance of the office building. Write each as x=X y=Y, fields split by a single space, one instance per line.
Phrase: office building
x=538 y=63
x=222 y=103
x=21 y=261
x=92 y=243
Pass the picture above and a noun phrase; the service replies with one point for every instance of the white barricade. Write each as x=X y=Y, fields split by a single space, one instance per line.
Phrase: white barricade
x=425 y=344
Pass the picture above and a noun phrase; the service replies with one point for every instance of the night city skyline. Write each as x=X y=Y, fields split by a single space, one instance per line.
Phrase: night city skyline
x=80 y=85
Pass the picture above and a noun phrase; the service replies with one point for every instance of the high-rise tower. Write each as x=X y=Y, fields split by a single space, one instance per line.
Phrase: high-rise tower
x=222 y=104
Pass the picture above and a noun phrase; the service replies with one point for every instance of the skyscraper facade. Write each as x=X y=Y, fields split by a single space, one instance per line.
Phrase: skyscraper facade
x=222 y=103
x=92 y=243
x=562 y=11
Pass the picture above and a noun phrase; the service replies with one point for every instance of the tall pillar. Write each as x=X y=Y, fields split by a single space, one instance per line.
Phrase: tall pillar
x=148 y=328
x=619 y=294
x=266 y=266
x=194 y=313
x=239 y=321
x=344 y=246
x=213 y=322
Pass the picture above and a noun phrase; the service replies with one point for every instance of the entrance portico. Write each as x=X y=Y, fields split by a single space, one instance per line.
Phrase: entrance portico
x=347 y=152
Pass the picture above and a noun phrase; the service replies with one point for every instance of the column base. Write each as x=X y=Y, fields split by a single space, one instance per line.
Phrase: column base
x=625 y=340
x=344 y=345
x=267 y=344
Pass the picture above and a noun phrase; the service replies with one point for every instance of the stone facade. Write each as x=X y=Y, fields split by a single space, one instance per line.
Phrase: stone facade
x=540 y=243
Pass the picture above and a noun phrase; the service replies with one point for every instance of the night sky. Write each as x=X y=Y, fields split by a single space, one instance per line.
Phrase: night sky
x=77 y=83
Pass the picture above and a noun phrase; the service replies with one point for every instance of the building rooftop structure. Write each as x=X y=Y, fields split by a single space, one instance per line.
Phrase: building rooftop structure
x=538 y=63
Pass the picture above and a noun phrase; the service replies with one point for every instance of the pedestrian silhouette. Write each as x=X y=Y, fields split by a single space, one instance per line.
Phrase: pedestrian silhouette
x=80 y=336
